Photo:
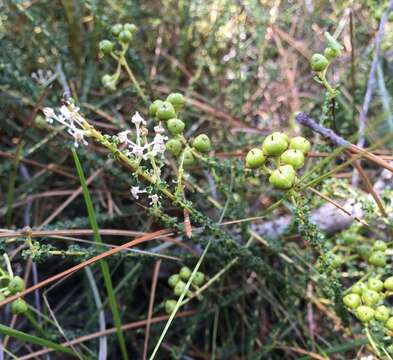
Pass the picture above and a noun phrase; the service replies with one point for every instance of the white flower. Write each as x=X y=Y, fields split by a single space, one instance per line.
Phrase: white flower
x=155 y=200
x=138 y=151
x=135 y=191
x=123 y=136
x=68 y=115
x=138 y=120
x=158 y=145
x=159 y=129
x=44 y=78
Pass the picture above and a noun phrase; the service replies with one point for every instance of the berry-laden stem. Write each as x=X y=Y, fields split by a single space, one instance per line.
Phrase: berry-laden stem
x=156 y=169
x=180 y=188
x=139 y=90
x=371 y=341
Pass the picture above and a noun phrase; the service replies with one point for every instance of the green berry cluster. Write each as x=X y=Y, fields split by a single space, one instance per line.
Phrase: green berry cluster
x=288 y=155
x=123 y=34
x=366 y=301
x=320 y=62
x=167 y=111
x=178 y=283
x=15 y=285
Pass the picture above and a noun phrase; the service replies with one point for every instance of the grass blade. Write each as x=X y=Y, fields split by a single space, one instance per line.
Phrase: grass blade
x=5 y=330
x=103 y=264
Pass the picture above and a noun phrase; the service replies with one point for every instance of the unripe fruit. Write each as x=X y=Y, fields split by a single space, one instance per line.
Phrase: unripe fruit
x=19 y=306
x=364 y=313
x=198 y=279
x=379 y=245
x=130 y=27
x=358 y=288
x=318 y=62
x=370 y=297
x=389 y=324
x=382 y=313
x=349 y=238
x=116 y=29
x=125 y=36
x=388 y=283
x=375 y=284
x=255 y=158
x=173 y=280
x=364 y=251
x=154 y=106
x=293 y=157
x=188 y=158
x=333 y=43
x=377 y=258
x=300 y=143
x=16 y=284
x=352 y=301
x=185 y=273
x=283 y=178
x=202 y=143
x=275 y=144
x=175 y=126
x=165 y=111
x=180 y=286
x=330 y=53
x=174 y=146
x=108 y=82
x=177 y=100
x=170 y=306
x=106 y=46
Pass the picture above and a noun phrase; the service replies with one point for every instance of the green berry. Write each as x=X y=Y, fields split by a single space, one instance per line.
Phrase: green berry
x=364 y=313
x=388 y=283
x=382 y=313
x=300 y=143
x=16 y=284
x=275 y=144
x=130 y=27
x=389 y=324
x=364 y=251
x=283 y=178
x=174 y=146
x=202 y=143
x=188 y=158
x=165 y=111
x=175 y=126
x=106 y=46
x=177 y=100
x=377 y=258
x=19 y=306
x=375 y=284
x=351 y=301
x=330 y=53
x=349 y=238
x=108 y=82
x=180 y=286
x=380 y=245
x=318 y=62
x=358 y=288
x=255 y=158
x=125 y=36
x=154 y=106
x=293 y=157
x=370 y=297
x=198 y=279
x=173 y=280
x=116 y=29
x=170 y=306
x=185 y=273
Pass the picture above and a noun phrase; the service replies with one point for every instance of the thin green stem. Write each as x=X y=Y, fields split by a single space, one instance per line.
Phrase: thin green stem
x=139 y=90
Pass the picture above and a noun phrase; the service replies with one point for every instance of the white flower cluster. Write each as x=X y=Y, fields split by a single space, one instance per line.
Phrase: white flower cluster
x=141 y=148
x=154 y=198
x=68 y=115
